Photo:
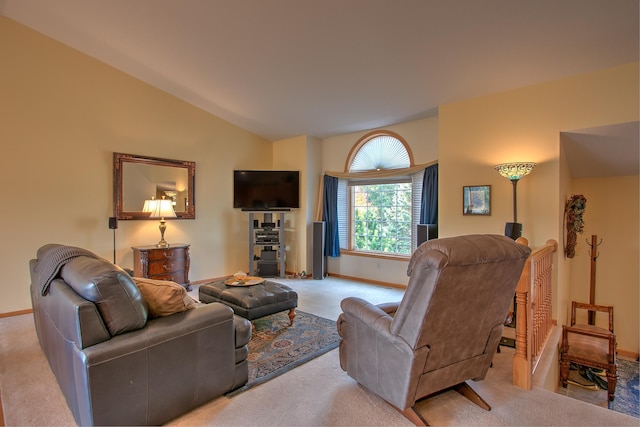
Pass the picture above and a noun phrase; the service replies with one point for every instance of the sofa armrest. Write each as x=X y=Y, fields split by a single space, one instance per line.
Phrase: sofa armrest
x=63 y=312
x=170 y=366
x=243 y=331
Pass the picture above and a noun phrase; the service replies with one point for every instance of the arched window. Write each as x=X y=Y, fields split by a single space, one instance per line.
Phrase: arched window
x=380 y=151
x=378 y=209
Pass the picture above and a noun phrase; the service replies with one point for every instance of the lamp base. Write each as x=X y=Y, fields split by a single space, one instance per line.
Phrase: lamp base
x=162 y=243
x=513 y=230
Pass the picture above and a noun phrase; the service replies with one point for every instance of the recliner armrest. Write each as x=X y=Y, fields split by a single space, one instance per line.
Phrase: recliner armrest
x=389 y=307
x=368 y=313
x=368 y=345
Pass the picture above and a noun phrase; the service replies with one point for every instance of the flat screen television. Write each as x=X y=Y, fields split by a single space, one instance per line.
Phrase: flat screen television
x=266 y=190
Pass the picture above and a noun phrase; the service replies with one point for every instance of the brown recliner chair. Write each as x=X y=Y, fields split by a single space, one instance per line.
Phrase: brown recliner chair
x=445 y=330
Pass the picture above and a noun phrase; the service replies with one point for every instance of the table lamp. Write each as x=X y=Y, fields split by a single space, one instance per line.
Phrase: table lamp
x=160 y=208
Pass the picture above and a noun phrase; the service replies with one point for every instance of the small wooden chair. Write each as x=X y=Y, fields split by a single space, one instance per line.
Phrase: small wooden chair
x=589 y=345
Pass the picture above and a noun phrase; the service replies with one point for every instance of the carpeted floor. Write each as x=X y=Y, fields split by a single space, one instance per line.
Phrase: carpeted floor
x=317 y=393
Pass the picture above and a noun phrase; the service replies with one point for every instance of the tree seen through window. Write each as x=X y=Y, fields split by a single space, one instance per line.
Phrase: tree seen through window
x=382 y=218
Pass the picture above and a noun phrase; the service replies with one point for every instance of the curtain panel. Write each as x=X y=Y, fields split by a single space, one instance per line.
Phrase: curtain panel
x=429 y=205
x=330 y=217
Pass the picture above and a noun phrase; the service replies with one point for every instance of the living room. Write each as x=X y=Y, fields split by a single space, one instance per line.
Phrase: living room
x=65 y=113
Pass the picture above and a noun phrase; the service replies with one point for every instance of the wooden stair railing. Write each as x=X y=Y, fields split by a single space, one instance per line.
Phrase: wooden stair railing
x=533 y=312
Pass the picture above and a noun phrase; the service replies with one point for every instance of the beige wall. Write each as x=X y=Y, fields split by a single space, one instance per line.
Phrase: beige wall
x=422 y=137
x=525 y=125
x=303 y=154
x=563 y=278
x=286 y=156
x=63 y=114
x=612 y=215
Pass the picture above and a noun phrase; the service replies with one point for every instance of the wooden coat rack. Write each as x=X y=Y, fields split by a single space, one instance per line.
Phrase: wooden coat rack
x=593 y=253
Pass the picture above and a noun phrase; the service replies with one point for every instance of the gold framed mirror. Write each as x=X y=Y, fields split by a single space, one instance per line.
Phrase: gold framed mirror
x=139 y=178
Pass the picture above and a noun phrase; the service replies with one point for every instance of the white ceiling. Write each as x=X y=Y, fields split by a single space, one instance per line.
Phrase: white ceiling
x=283 y=68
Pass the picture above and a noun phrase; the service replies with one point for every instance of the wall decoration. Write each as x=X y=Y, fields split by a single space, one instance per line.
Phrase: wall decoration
x=476 y=200
x=573 y=212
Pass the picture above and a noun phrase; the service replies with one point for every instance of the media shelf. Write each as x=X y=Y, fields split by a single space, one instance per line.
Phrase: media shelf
x=266 y=244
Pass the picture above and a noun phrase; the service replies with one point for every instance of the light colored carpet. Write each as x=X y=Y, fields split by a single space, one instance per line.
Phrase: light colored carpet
x=317 y=393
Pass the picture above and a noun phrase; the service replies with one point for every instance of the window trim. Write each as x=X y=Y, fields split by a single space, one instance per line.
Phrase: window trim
x=378 y=255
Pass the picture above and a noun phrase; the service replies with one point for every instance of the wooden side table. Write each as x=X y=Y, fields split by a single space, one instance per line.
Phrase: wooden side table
x=170 y=263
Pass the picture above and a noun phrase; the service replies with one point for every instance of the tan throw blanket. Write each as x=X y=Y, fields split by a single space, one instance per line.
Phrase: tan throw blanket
x=50 y=263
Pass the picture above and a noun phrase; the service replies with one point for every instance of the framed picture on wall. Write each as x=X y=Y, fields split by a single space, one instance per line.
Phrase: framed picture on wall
x=476 y=200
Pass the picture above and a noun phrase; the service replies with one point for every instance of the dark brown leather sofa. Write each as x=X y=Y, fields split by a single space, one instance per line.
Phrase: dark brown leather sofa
x=117 y=366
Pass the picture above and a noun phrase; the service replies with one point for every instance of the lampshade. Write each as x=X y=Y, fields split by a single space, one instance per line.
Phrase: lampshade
x=149 y=205
x=162 y=209
x=515 y=171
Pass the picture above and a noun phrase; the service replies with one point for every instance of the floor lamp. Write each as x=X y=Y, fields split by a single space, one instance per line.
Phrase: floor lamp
x=514 y=172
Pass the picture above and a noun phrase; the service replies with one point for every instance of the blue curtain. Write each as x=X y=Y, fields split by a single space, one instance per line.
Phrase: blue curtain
x=330 y=216
x=429 y=208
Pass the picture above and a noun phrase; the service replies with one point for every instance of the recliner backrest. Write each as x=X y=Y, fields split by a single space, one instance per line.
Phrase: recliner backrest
x=458 y=294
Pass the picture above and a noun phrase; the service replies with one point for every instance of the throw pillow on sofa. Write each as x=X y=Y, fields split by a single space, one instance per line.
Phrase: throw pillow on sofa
x=164 y=297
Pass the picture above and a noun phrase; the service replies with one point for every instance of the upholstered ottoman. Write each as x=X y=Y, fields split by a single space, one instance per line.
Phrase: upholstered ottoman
x=252 y=302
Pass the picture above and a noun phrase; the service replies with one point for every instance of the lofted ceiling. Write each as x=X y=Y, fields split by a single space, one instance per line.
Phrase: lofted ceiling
x=283 y=68
x=603 y=151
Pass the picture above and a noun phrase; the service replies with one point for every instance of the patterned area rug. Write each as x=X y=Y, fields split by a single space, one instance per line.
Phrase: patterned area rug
x=276 y=347
x=627 y=396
